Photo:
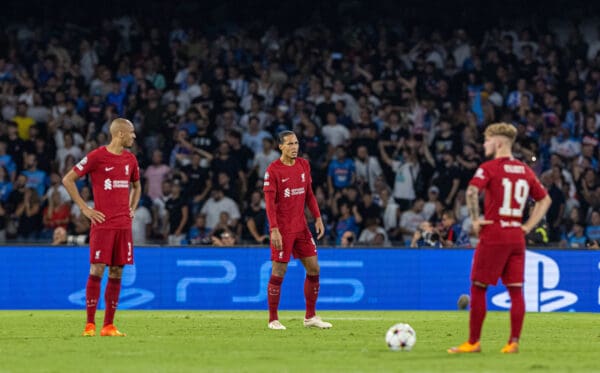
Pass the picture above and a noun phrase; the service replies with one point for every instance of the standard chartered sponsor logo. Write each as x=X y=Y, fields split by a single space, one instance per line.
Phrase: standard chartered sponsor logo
x=287 y=192
x=542 y=276
x=115 y=184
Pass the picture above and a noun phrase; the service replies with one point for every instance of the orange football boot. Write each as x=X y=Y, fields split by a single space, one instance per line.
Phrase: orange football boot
x=90 y=330
x=111 y=330
x=465 y=348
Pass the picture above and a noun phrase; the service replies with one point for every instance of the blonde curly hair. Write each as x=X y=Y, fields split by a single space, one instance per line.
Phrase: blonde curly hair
x=501 y=129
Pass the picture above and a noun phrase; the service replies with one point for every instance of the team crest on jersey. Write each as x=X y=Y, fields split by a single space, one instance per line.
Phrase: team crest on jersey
x=302 y=176
x=126 y=169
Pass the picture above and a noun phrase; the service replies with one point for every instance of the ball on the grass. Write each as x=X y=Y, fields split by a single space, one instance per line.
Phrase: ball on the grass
x=401 y=337
x=463 y=301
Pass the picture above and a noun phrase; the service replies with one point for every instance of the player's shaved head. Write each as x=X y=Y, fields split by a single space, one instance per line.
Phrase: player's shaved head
x=119 y=124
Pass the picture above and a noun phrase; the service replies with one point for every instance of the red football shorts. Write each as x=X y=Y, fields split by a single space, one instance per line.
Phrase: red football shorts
x=111 y=246
x=299 y=244
x=493 y=261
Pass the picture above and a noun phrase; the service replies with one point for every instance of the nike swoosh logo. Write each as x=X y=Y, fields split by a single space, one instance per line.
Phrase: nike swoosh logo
x=108 y=168
x=284 y=180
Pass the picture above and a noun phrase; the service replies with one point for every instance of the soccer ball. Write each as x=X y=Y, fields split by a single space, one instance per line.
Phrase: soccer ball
x=401 y=337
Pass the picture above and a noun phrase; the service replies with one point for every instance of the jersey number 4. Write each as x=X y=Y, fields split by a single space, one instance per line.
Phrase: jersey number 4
x=518 y=192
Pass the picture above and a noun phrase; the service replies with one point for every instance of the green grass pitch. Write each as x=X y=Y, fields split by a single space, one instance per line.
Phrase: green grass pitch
x=239 y=341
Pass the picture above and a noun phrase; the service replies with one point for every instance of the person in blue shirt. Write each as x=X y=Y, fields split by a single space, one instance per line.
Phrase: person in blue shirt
x=341 y=172
x=454 y=235
x=36 y=178
x=349 y=220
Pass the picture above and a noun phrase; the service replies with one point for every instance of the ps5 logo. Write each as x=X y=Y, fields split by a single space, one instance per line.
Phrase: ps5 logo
x=542 y=276
x=229 y=275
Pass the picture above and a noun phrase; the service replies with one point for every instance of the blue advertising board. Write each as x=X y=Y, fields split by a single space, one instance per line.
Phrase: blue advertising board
x=236 y=279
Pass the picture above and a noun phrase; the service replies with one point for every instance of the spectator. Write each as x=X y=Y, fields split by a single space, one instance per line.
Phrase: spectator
x=369 y=235
x=56 y=214
x=155 y=174
x=409 y=222
x=341 y=172
x=216 y=204
x=407 y=170
x=23 y=121
x=368 y=169
x=334 y=133
x=80 y=224
x=141 y=226
x=223 y=237
x=199 y=181
x=348 y=239
x=256 y=228
x=178 y=214
x=29 y=215
x=199 y=234
x=453 y=234
x=426 y=236
x=349 y=220
x=36 y=178
x=254 y=137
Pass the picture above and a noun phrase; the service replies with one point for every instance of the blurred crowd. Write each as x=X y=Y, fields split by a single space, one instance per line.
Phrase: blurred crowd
x=389 y=117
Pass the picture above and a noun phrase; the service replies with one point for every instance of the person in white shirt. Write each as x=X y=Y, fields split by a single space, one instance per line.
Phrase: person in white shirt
x=335 y=133
x=368 y=169
x=263 y=159
x=141 y=225
x=217 y=204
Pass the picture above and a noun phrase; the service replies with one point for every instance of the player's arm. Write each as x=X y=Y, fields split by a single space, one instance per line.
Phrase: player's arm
x=271 y=208
x=539 y=211
x=69 y=184
x=134 y=196
x=472 y=197
x=313 y=206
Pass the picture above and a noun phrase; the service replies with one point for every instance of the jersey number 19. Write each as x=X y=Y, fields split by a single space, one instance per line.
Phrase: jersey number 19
x=517 y=191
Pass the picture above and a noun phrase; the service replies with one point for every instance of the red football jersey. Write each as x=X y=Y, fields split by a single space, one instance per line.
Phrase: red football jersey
x=111 y=175
x=507 y=183
x=292 y=186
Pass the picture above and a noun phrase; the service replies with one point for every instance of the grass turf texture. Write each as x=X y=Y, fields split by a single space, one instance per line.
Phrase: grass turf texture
x=239 y=341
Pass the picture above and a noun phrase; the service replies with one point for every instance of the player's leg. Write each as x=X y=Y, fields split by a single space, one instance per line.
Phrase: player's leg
x=306 y=249
x=477 y=311
x=279 y=260
x=513 y=277
x=122 y=255
x=274 y=293
x=100 y=254
x=92 y=293
x=488 y=264
x=111 y=298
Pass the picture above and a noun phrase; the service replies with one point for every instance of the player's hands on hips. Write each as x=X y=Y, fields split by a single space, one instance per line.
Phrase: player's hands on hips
x=477 y=224
x=276 y=240
x=320 y=228
x=94 y=215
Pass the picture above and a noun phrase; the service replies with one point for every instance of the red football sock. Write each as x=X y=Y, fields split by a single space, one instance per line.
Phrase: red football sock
x=274 y=294
x=477 y=313
x=311 y=293
x=111 y=297
x=92 y=293
x=517 y=312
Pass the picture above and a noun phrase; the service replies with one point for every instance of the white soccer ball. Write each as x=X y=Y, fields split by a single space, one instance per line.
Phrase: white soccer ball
x=401 y=337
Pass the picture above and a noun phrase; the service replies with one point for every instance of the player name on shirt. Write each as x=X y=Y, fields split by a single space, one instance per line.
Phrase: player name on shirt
x=514 y=169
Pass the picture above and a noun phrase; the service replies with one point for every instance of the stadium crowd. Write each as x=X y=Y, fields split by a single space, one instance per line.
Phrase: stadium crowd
x=389 y=118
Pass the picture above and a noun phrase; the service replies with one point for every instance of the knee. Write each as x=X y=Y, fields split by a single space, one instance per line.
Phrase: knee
x=115 y=272
x=313 y=270
x=97 y=269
